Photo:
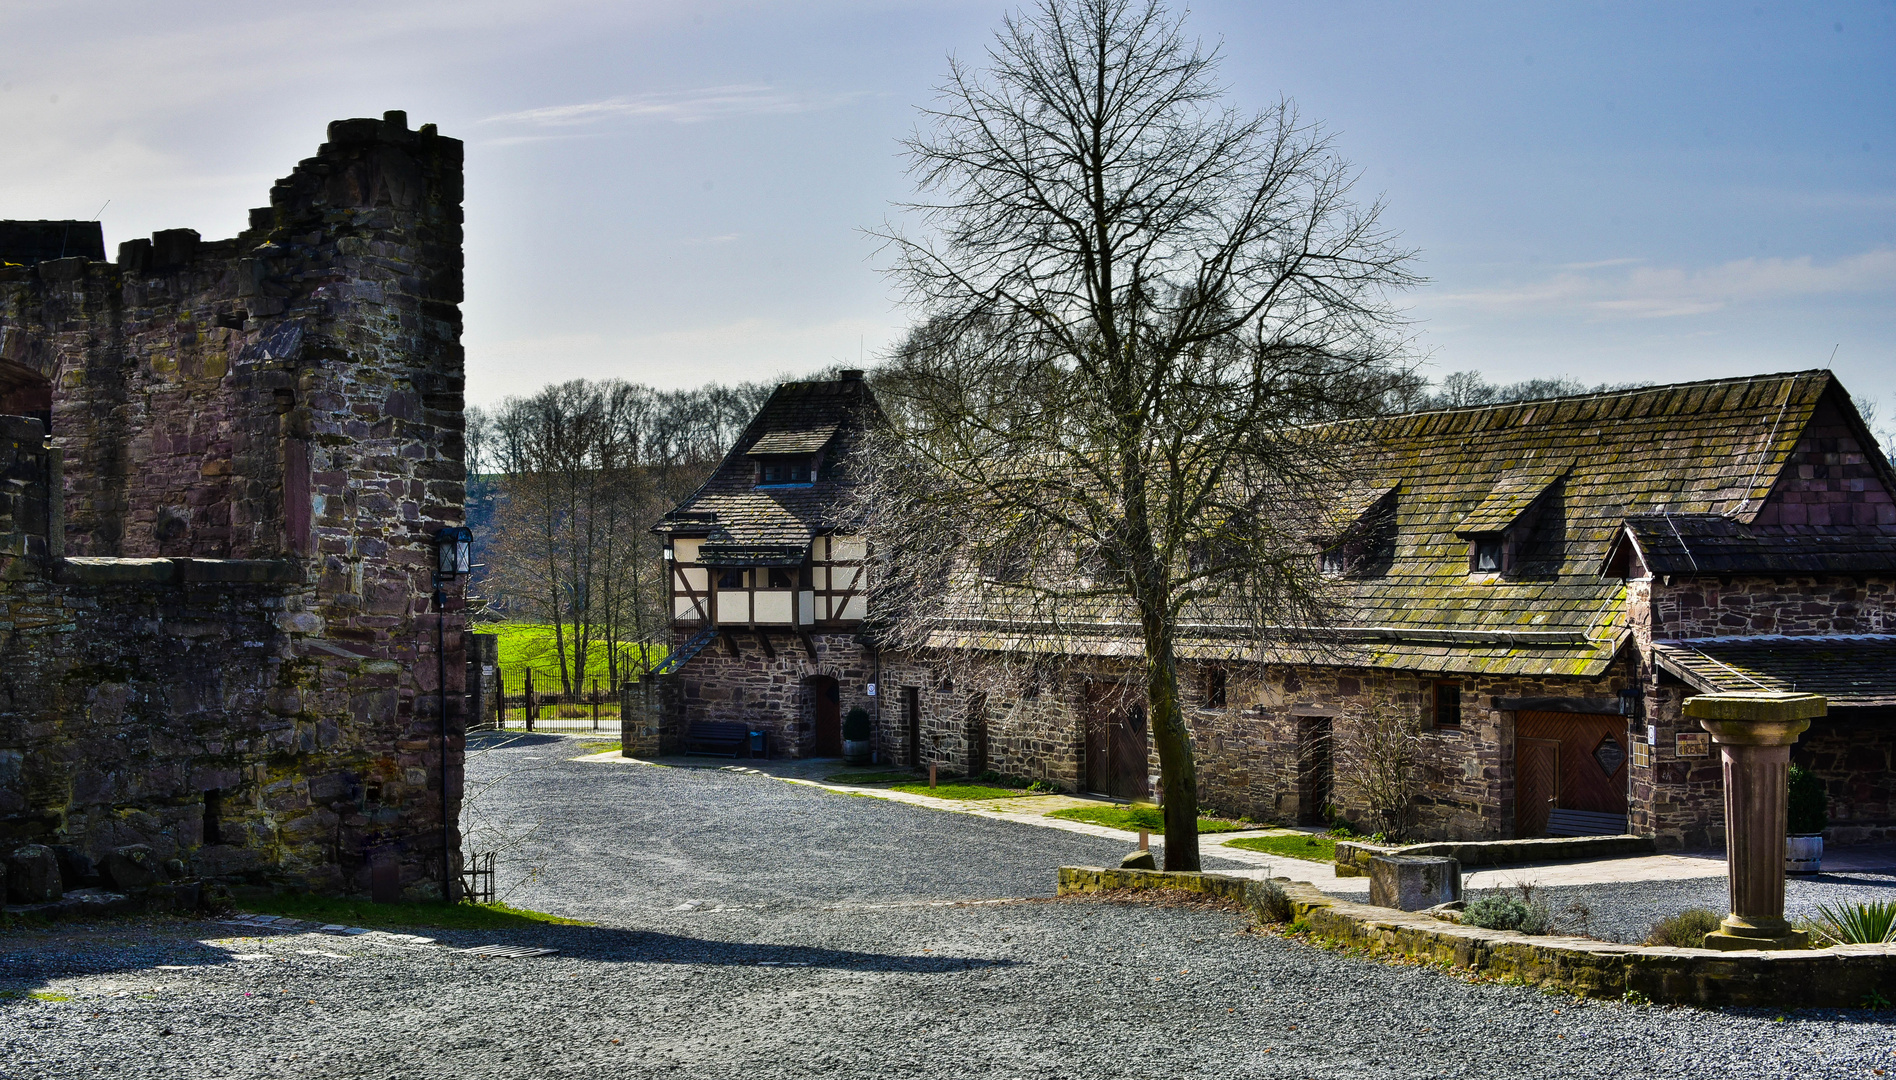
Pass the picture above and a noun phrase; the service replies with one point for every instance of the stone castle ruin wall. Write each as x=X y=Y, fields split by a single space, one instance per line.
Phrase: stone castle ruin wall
x=216 y=636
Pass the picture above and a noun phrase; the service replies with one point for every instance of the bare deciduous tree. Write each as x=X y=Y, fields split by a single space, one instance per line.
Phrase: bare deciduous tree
x=1376 y=750
x=1136 y=301
x=583 y=469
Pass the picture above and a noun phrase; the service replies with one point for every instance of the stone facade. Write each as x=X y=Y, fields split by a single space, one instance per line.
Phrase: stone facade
x=225 y=646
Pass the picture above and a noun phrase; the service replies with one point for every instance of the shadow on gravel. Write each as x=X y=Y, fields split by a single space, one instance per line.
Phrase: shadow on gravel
x=494 y=740
x=652 y=947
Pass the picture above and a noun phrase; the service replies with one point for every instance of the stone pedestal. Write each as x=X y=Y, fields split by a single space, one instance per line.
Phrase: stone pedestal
x=1754 y=733
x=1413 y=882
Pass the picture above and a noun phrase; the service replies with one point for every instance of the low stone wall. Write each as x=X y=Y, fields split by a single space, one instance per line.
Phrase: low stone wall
x=1844 y=976
x=1352 y=856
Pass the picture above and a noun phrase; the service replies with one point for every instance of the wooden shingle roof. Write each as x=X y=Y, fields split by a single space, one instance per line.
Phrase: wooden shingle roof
x=747 y=524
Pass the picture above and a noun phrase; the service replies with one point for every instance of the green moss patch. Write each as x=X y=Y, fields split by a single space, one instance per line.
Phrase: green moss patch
x=1135 y=816
x=1300 y=846
x=347 y=911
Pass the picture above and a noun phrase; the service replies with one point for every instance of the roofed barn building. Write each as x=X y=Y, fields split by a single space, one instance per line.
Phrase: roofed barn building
x=1540 y=582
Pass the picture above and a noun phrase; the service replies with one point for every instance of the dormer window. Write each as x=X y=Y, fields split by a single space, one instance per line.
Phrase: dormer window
x=1487 y=554
x=784 y=471
x=1498 y=530
x=1360 y=536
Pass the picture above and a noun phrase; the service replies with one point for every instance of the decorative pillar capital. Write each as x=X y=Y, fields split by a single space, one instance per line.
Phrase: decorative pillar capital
x=1767 y=707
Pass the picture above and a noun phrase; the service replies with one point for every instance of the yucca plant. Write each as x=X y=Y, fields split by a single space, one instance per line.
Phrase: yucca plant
x=1856 y=924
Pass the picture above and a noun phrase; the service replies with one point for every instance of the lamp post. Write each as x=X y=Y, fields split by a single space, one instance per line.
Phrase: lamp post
x=454 y=555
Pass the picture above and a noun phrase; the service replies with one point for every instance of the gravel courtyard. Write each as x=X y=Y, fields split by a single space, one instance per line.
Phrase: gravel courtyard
x=747 y=927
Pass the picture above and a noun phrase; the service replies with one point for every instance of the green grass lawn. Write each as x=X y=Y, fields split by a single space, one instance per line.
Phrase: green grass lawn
x=358 y=912
x=960 y=791
x=531 y=645
x=1136 y=816
x=1301 y=846
x=869 y=778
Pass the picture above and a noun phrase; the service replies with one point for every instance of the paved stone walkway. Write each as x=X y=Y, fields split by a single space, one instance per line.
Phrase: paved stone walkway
x=1033 y=810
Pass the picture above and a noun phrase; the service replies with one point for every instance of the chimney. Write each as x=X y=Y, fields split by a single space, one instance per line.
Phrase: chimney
x=852 y=375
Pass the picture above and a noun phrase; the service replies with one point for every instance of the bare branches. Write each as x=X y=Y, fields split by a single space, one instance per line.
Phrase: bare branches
x=1140 y=306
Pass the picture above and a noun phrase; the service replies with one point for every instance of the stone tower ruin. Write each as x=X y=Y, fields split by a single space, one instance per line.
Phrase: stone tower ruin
x=223 y=465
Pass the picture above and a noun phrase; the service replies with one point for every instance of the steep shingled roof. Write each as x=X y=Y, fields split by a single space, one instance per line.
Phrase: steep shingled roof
x=1586 y=462
x=745 y=524
x=1713 y=448
x=1848 y=670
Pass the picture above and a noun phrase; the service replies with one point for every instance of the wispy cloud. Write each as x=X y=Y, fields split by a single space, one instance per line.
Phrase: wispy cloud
x=679 y=107
x=1623 y=288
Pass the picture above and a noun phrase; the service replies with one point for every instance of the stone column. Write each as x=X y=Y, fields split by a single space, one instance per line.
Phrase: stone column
x=1754 y=733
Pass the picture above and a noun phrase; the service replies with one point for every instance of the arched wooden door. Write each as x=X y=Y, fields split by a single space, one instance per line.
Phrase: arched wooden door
x=1567 y=761
x=826 y=700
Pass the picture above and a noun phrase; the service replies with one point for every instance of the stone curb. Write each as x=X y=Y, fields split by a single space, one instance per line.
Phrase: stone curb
x=1352 y=856
x=1844 y=976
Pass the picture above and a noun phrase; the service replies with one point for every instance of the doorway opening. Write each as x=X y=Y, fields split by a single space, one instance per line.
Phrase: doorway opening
x=1315 y=780
x=1116 y=748
x=912 y=723
x=826 y=707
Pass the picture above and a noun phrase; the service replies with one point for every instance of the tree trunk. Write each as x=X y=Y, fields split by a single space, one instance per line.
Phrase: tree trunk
x=1178 y=772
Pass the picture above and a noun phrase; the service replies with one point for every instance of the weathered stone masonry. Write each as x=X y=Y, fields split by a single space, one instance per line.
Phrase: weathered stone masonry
x=218 y=640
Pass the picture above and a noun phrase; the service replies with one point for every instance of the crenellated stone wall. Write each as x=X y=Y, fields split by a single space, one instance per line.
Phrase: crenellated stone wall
x=238 y=662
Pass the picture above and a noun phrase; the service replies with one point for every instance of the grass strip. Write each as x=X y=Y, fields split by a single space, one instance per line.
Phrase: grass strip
x=869 y=778
x=347 y=911
x=1135 y=816
x=960 y=791
x=1300 y=846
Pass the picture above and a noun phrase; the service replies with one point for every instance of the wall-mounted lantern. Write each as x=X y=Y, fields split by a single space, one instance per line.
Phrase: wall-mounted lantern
x=454 y=552
x=1630 y=701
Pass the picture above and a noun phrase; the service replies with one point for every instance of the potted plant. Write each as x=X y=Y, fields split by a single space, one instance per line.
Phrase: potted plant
x=856 y=736
x=1804 y=819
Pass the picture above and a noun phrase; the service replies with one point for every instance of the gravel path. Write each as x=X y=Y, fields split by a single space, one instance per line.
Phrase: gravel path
x=830 y=936
x=1625 y=911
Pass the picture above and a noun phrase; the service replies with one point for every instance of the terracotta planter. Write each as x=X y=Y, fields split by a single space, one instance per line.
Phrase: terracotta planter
x=856 y=751
x=1804 y=854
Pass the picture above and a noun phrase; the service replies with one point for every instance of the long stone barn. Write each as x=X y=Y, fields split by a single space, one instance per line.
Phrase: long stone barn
x=226 y=465
x=1540 y=582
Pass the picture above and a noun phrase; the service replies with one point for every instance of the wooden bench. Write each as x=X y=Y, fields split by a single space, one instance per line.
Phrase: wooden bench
x=1584 y=823
x=717 y=738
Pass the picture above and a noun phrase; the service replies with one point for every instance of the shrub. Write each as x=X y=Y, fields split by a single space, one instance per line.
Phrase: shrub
x=1856 y=924
x=856 y=725
x=1806 y=812
x=1500 y=911
x=1686 y=930
x=1269 y=902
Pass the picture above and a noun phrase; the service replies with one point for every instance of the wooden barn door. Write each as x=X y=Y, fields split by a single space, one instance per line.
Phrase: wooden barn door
x=1567 y=761
x=1115 y=743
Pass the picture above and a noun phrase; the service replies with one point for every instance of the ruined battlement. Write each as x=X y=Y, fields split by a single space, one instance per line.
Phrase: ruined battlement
x=223 y=645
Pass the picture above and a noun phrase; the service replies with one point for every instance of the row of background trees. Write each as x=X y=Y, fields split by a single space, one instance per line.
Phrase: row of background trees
x=564 y=488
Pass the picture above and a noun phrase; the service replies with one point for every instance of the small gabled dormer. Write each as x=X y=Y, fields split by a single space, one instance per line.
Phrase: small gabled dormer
x=1360 y=534
x=1497 y=529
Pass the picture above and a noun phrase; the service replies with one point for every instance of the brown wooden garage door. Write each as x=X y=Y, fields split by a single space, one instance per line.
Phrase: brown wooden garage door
x=1569 y=761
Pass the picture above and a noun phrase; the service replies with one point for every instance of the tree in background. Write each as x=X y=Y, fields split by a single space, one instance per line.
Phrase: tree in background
x=579 y=472
x=1135 y=300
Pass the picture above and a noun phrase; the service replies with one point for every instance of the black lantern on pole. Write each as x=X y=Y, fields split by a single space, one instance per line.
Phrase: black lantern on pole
x=454 y=552
x=454 y=557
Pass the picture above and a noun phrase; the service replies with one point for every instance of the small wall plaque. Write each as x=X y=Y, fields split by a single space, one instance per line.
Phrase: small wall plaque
x=1694 y=744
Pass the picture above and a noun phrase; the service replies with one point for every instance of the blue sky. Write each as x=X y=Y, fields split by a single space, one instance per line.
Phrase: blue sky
x=673 y=192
